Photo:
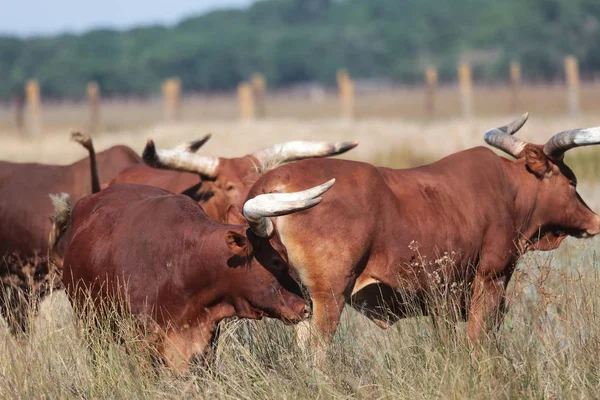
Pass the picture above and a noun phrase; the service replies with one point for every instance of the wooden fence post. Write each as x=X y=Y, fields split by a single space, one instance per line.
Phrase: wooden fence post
x=246 y=101
x=346 y=93
x=572 y=78
x=32 y=95
x=171 y=89
x=515 y=83
x=93 y=94
x=431 y=79
x=19 y=102
x=465 y=79
x=259 y=87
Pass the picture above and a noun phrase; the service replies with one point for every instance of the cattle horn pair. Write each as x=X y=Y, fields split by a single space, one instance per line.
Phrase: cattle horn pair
x=180 y=160
x=258 y=210
x=555 y=148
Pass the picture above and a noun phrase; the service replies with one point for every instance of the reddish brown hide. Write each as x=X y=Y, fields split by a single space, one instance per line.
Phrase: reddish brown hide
x=24 y=190
x=182 y=269
x=384 y=238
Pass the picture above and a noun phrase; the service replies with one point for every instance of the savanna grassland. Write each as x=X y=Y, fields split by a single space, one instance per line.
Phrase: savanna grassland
x=547 y=347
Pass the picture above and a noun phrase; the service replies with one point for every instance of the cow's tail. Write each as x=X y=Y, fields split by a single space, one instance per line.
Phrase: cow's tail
x=86 y=141
x=60 y=222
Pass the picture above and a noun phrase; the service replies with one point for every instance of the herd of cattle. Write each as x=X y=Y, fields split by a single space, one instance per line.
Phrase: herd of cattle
x=288 y=233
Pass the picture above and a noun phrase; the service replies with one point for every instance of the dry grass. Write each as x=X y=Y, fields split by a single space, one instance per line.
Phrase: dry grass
x=548 y=346
x=432 y=139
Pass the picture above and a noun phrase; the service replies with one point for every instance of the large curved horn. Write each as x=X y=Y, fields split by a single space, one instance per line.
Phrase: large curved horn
x=502 y=139
x=299 y=150
x=180 y=160
x=258 y=210
x=557 y=145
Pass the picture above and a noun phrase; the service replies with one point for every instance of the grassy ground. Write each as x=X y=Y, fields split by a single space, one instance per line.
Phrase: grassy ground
x=548 y=346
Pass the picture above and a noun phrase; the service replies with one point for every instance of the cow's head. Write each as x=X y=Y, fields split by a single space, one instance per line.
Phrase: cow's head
x=234 y=177
x=268 y=286
x=558 y=210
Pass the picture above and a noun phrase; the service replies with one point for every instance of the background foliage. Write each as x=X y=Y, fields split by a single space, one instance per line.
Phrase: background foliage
x=293 y=41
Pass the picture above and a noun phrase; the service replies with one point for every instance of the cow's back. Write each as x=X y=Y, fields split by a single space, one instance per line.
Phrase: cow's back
x=7 y=169
x=25 y=207
x=134 y=235
x=173 y=181
x=449 y=205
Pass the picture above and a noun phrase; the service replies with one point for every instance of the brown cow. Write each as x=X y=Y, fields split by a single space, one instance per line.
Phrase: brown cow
x=226 y=181
x=24 y=189
x=24 y=220
x=385 y=238
x=181 y=269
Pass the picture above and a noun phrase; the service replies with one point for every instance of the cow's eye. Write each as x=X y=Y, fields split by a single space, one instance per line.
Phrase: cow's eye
x=278 y=264
x=573 y=183
x=207 y=195
x=230 y=187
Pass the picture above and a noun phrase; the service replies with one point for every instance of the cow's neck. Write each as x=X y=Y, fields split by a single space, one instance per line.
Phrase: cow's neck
x=526 y=208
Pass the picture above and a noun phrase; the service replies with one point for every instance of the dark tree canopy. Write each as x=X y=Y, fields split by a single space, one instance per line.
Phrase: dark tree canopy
x=293 y=41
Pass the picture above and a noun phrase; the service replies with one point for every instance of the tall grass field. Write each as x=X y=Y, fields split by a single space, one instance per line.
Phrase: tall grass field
x=547 y=347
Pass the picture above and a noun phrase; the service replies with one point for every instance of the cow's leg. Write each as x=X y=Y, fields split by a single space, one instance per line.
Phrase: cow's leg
x=211 y=352
x=181 y=344
x=327 y=305
x=487 y=300
x=194 y=340
x=302 y=334
x=327 y=309
x=312 y=259
x=318 y=332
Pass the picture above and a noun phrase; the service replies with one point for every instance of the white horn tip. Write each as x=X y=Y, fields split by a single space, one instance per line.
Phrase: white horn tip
x=194 y=145
x=325 y=187
x=342 y=147
x=517 y=124
x=588 y=136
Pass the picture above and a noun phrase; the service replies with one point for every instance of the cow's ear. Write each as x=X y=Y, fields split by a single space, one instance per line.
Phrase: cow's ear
x=239 y=244
x=537 y=162
x=234 y=216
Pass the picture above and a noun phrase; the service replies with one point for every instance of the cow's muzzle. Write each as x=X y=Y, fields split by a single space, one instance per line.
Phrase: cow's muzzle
x=595 y=229
x=299 y=316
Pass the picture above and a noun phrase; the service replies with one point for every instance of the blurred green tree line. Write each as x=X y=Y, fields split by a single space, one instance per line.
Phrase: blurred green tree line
x=294 y=41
